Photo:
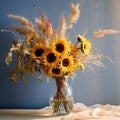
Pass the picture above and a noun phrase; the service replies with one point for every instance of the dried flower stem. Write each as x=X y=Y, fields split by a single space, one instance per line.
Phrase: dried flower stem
x=101 y=33
x=61 y=98
x=63 y=28
x=60 y=88
x=45 y=26
x=21 y=19
x=73 y=17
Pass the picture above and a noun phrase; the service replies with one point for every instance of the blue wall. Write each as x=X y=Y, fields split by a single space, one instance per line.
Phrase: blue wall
x=88 y=87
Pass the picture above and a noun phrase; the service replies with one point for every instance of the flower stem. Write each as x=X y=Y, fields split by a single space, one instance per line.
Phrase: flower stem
x=61 y=98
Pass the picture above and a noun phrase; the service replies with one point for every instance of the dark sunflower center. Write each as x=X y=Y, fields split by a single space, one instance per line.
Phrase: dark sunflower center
x=79 y=39
x=65 y=62
x=59 y=47
x=39 y=52
x=56 y=71
x=51 y=57
x=85 y=46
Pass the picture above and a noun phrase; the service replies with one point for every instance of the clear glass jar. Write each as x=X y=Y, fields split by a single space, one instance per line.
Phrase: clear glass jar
x=62 y=102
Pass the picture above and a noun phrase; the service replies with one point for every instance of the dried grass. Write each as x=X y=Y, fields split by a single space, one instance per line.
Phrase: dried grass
x=21 y=19
x=26 y=30
x=101 y=33
x=45 y=25
x=19 y=29
x=73 y=17
x=63 y=27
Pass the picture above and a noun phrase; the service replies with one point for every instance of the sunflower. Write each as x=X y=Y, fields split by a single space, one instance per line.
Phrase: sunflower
x=68 y=65
x=86 y=47
x=52 y=65
x=50 y=58
x=55 y=71
x=37 y=51
x=60 y=46
x=85 y=44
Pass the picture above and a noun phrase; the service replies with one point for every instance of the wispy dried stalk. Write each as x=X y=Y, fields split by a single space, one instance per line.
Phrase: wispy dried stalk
x=31 y=30
x=21 y=19
x=63 y=27
x=19 y=29
x=73 y=17
x=94 y=59
x=45 y=25
x=26 y=30
x=91 y=59
x=101 y=33
x=28 y=26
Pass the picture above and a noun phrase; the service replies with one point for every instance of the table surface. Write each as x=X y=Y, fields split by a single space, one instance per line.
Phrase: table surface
x=32 y=114
x=79 y=112
x=27 y=114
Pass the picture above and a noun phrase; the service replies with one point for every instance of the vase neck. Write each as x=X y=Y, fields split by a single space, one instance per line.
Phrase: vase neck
x=61 y=87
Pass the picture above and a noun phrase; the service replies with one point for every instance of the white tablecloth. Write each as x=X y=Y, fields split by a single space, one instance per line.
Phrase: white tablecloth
x=80 y=112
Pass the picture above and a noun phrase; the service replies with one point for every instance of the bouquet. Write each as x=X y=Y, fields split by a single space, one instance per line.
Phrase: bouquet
x=49 y=50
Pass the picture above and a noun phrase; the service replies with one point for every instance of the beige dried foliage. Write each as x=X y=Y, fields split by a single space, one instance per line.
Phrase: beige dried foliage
x=26 y=30
x=45 y=25
x=33 y=31
x=70 y=26
x=28 y=26
x=73 y=17
x=101 y=33
x=8 y=58
x=62 y=27
x=21 y=19
x=19 y=29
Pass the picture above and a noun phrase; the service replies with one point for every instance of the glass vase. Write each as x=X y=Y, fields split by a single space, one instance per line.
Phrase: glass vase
x=62 y=101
